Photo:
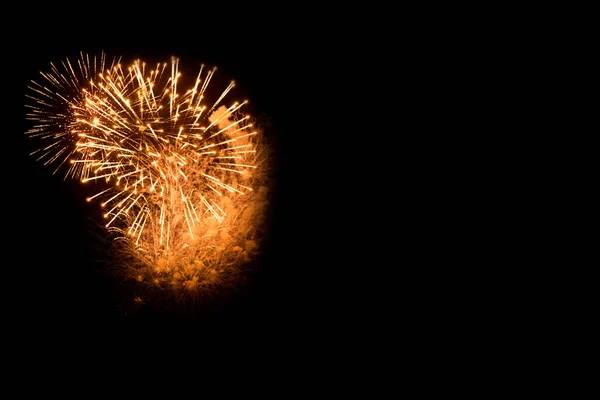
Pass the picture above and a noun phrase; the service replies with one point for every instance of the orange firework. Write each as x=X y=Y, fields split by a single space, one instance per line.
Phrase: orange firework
x=178 y=172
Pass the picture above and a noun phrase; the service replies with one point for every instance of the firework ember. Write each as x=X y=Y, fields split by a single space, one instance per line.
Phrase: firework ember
x=181 y=170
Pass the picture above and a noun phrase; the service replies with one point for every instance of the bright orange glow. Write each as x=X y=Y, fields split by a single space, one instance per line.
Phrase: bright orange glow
x=176 y=171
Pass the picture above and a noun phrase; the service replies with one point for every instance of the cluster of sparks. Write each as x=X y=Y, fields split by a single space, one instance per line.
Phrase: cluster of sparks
x=165 y=156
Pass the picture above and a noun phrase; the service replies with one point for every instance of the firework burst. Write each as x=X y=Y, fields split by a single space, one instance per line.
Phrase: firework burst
x=182 y=178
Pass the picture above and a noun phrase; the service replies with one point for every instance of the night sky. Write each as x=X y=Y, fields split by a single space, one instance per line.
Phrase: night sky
x=56 y=274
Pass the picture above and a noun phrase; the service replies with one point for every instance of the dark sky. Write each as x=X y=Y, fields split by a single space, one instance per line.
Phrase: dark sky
x=56 y=276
